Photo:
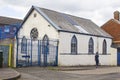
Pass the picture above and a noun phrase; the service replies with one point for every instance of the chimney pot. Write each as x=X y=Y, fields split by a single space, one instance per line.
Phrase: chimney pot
x=116 y=15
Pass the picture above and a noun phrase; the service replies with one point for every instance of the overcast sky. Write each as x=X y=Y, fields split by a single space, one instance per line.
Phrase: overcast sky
x=99 y=11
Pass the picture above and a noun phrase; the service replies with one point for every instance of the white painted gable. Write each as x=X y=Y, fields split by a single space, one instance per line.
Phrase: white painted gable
x=43 y=26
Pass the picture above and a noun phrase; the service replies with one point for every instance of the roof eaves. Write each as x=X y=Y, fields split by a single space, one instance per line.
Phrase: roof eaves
x=46 y=17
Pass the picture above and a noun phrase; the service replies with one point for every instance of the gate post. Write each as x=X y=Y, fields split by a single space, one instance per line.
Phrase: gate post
x=31 y=53
x=10 y=55
x=17 y=52
x=39 y=52
x=57 y=53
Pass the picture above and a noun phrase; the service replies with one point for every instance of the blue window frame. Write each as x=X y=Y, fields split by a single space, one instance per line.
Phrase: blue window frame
x=24 y=45
x=104 y=47
x=7 y=29
x=91 y=46
x=74 y=45
x=45 y=45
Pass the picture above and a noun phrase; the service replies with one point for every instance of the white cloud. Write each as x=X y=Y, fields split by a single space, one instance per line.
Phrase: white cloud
x=98 y=11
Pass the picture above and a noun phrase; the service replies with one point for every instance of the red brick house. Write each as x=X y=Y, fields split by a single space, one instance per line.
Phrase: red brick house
x=113 y=28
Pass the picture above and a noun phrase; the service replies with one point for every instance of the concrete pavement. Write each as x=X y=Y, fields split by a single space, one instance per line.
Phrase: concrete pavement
x=26 y=76
x=8 y=74
x=70 y=73
x=61 y=73
x=93 y=70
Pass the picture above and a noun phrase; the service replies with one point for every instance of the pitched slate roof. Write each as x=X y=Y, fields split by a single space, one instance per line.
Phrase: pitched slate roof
x=7 y=20
x=69 y=23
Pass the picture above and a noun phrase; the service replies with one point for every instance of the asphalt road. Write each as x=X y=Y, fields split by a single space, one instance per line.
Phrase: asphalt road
x=37 y=73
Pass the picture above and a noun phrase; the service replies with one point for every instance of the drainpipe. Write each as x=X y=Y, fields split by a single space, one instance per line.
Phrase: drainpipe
x=17 y=41
x=97 y=45
x=57 y=53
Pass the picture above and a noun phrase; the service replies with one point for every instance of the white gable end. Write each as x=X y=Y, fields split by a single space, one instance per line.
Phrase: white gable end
x=35 y=20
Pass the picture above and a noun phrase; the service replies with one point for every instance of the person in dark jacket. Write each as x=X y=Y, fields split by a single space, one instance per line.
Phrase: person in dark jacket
x=97 y=59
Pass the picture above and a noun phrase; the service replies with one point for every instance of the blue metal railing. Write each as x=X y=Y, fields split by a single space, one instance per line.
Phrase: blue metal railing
x=36 y=55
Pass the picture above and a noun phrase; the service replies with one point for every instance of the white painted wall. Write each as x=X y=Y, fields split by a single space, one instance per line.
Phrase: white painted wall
x=113 y=58
x=65 y=59
x=65 y=43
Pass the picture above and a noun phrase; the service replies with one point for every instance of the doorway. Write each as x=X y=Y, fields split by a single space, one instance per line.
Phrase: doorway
x=118 y=56
x=1 y=59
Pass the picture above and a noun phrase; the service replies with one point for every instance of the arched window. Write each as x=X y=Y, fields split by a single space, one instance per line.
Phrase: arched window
x=91 y=46
x=24 y=45
x=74 y=45
x=45 y=44
x=34 y=34
x=104 y=47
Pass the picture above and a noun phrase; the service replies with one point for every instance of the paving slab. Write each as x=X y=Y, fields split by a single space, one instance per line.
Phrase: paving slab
x=8 y=74
x=71 y=68
x=25 y=76
x=100 y=70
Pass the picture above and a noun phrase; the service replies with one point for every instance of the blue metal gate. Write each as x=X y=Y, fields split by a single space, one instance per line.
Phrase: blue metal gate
x=36 y=53
x=118 y=57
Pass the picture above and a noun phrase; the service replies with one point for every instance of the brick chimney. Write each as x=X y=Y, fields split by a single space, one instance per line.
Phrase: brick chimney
x=117 y=15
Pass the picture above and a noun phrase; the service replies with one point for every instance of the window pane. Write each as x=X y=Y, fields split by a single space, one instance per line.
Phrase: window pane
x=104 y=47
x=24 y=45
x=45 y=49
x=74 y=45
x=91 y=46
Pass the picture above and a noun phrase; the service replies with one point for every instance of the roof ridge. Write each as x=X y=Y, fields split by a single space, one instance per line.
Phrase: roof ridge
x=109 y=21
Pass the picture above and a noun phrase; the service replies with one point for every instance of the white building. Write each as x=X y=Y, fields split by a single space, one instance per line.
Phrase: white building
x=67 y=40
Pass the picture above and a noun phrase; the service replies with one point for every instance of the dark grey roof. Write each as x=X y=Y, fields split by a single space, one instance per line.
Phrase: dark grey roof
x=66 y=22
x=8 y=20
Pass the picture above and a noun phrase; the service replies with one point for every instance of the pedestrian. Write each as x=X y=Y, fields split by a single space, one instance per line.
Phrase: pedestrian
x=97 y=59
